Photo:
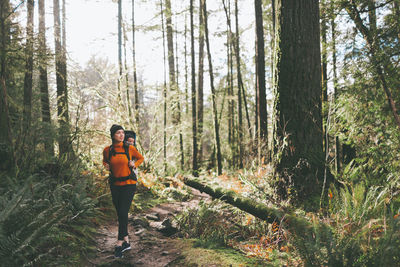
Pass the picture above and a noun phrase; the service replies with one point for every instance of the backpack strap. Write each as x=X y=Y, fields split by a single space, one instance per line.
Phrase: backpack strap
x=112 y=152
x=126 y=147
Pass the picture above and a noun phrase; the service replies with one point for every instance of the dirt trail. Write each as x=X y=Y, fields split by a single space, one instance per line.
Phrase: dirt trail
x=152 y=239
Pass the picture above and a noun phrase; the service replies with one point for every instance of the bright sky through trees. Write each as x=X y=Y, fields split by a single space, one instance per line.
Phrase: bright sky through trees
x=92 y=30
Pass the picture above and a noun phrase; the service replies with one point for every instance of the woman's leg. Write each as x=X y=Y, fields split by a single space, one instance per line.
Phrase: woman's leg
x=125 y=200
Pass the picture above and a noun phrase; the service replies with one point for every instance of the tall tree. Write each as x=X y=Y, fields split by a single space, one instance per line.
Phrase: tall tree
x=240 y=83
x=128 y=98
x=135 y=83
x=200 y=75
x=61 y=80
x=171 y=63
x=231 y=109
x=164 y=92
x=6 y=148
x=335 y=81
x=262 y=118
x=186 y=70
x=176 y=115
x=179 y=101
x=27 y=115
x=213 y=95
x=298 y=128
x=193 y=81
x=119 y=53
x=43 y=82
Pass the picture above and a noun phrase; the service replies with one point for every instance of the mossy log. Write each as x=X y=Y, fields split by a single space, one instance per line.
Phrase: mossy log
x=292 y=221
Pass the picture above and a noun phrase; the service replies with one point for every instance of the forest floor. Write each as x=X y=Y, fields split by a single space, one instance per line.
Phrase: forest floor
x=153 y=239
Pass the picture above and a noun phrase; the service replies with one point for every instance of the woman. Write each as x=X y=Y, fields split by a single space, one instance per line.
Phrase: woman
x=118 y=159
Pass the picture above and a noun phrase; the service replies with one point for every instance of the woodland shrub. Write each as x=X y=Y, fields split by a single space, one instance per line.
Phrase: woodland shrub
x=362 y=229
x=45 y=221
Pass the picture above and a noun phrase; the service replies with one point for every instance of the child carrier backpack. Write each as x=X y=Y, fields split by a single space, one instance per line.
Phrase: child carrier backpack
x=111 y=153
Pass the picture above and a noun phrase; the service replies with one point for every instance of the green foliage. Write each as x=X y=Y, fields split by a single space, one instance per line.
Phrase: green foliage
x=205 y=223
x=360 y=231
x=43 y=222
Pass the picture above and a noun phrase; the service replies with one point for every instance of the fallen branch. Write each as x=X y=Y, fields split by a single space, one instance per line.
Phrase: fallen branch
x=290 y=220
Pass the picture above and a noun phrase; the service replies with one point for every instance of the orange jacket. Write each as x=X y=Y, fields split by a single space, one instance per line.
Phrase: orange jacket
x=119 y=163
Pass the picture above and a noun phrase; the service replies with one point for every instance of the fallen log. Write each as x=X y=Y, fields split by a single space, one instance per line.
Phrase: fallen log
x=291 y=220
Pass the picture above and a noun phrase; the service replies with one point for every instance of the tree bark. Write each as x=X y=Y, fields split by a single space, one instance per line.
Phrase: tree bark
x=119 y=96
x=239 y=77
x=338 y=161
x=213 y=96
x=135 y=83
x=200 y=100
x=262 y=117
x=43 y=82
x=176 y=114
x=171 y=64
x=298 y=129
x=179 y=101
x=27 y=114
x=193 y=81
x=293 y=222
x=231 y=111
x=7 y=159
x=61 y=80
x=186 y=72
x=164 y=93
x=128 y=98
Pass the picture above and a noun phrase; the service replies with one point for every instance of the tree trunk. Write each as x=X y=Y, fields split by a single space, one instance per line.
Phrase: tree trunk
x=164 y=93
x=324 y=59
x=128 y=98
x=193 y=72
x=176 y=114
x=213 y=96
x=7 y=159
x=325 y=102
x=43 y=82
x=294 y=222
x=298 y=129
x=135 y=83
x=171 y=64
x=27 y=114
x=179 y=102
x=338 y=161
x=186 y=72
x=262 y=117
x=231 y=124
x=119 y=96
x=239 y=77
x=62 y=97
x=200 y=100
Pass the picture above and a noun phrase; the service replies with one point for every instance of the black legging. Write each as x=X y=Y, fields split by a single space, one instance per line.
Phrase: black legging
x=122 y=199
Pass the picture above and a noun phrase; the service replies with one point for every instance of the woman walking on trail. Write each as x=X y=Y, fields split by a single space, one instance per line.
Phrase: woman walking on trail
x=118 y=158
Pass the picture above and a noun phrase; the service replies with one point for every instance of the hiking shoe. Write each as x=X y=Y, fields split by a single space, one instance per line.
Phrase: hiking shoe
x=118 y=252
x=126 y=246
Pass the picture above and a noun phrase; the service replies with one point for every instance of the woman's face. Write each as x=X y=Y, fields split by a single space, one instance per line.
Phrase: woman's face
x=119 y=135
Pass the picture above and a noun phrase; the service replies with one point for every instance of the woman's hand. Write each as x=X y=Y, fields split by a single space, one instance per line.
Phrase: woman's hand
x=131 y=164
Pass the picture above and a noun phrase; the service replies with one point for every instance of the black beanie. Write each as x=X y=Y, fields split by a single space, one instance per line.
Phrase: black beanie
x=130 y=134
x=114 y=128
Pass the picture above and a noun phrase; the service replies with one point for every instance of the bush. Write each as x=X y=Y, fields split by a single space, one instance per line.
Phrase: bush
x=44 y=222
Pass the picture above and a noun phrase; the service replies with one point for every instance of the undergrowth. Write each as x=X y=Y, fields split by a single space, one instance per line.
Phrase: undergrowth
x=45 y=221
